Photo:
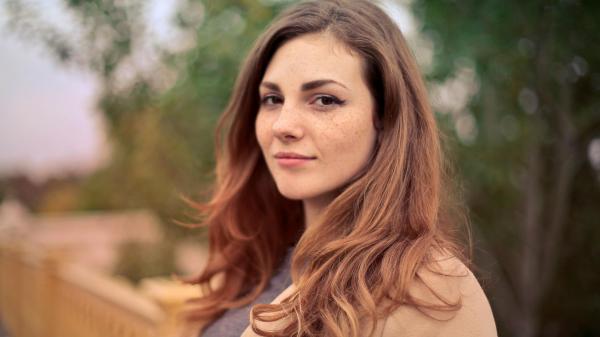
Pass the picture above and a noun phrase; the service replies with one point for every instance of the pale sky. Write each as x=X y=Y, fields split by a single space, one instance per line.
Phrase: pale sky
x=47 y=119
x=48 y=122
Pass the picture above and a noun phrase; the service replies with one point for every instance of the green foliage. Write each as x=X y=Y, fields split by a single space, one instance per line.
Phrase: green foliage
x=162 y=141
x=531 y=188
x=138 y=261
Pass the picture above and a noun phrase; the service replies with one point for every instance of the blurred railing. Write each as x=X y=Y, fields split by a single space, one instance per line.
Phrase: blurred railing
x=41 y=294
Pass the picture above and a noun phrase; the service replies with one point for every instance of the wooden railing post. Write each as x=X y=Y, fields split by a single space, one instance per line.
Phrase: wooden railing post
x=170 y=296
x=43 y=295
x=49 y=266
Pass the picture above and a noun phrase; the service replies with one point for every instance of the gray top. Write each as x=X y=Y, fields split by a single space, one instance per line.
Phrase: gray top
x=234 y=321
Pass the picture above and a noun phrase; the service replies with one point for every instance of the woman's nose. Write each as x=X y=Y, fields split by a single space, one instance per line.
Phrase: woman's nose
x=288 y=125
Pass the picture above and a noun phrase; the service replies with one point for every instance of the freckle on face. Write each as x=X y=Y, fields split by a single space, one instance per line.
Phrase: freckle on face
x=341 y=138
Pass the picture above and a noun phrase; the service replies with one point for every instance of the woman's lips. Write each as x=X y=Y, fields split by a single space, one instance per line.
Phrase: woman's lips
x=290 y=159
x=292 y=162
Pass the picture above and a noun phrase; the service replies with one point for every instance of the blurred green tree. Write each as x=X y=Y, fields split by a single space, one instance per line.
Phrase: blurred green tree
x=522 y=142
x=138 y=261
x=160 y=120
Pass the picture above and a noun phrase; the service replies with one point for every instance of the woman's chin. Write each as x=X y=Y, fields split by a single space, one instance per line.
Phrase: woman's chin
x=294 y=193
x=293 y=196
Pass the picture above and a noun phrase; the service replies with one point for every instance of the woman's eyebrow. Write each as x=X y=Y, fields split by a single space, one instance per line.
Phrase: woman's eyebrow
x=319 y=83
x=305 y=86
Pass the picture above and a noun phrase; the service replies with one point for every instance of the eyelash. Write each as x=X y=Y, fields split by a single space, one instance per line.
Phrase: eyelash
x=335 y=100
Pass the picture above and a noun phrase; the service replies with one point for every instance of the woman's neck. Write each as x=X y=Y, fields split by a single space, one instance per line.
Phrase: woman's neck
x=314 y=207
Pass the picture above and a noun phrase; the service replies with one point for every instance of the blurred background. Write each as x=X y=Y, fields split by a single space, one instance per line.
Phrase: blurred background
x=107 y=111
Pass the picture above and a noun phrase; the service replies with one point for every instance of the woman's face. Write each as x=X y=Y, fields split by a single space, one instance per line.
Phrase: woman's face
x=315 y=124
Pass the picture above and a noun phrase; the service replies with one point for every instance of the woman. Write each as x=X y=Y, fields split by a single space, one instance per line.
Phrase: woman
x=326 y=218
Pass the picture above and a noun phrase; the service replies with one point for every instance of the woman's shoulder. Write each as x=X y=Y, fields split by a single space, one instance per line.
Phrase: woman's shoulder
x=452 y=303
x=441 y=283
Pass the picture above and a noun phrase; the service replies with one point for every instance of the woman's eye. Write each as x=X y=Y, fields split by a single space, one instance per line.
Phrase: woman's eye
x=271 y=100
x=326 y=100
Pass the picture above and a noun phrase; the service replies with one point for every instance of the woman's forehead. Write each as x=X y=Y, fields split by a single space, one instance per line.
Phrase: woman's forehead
x=314 y=56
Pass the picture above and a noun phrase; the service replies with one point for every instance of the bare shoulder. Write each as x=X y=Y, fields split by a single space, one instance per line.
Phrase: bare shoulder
x=443 y=283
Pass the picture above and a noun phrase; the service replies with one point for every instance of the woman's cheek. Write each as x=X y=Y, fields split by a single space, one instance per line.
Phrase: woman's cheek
x=262 y=131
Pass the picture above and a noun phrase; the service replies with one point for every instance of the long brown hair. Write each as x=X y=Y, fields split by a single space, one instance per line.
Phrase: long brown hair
x=377 y=232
